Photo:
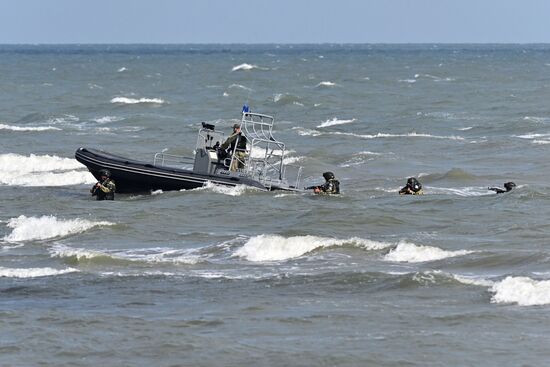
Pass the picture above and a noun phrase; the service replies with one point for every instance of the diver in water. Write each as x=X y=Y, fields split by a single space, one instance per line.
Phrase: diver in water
x=413 y=187
x=508 y=186
x=331 y=185
x=105 y=189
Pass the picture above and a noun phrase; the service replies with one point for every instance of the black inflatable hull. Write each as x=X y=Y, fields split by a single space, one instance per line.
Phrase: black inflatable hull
x=132 y=176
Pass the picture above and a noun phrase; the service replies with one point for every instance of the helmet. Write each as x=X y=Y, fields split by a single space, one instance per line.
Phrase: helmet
x=413 y=184
x=509 y=185
x=328 y=175
x=105 y=172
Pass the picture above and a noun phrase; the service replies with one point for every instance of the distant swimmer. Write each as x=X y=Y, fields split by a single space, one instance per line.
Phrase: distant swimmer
x=331 y=185
x=413 y=187
x=508 y=186
x=105 y=189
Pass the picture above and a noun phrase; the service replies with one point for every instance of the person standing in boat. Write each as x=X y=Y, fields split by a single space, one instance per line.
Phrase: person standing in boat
x=236 y=143
x=105 y=189
x=331 y=185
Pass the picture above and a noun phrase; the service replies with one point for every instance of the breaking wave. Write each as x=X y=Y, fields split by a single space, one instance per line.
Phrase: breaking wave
x=409 y=252
x=521 y=290
x=247 y=67
x=27 y=128
x=237 y=190
x=47 y=227
x=335 y=121
x=126 y=100
x=42 y=170
x=276 y=248
x=326 y=84
x=33 y=272
x=149 y=255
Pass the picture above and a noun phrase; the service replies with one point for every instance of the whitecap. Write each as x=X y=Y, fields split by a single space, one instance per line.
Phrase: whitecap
x=126 y=100
x=237 y=190
x=27 y=128
x=275 y=248
x=247 y=67
x=538 y=120
x=410 y=81
x=47 y=227
x=409 y=252
x=107 y=119
x=521 y=290
x=326 y=84
x=122 y=69
x=33 y=272
x=335 y=121
x=42 y=170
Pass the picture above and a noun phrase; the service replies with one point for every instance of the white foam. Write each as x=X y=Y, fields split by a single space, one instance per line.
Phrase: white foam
x=33 y=272
x=240 y=86
x=275 y=247
x=107 y=119
x=409 y=252
x=126 y=100
x=335 y=121
x=521 y=290
x=148 y=255
x=47 y=227
x=122 y=69
x=237 y=190
x=407 y=81
x=247 y=67
x=533 y=136
x=42 y=170
x=472 y=280
x=542 y=142
x=538 y=120
x=326 y=84
x=465 y=128
x=27 y=128
x=463 y=191
x=408 y=135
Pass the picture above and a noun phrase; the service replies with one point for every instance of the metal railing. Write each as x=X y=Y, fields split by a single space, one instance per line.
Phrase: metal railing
x=170 y=160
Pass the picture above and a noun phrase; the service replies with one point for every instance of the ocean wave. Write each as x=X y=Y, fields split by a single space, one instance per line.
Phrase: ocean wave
x=532 y=136
x=120 y=70
x=107 y=119
x=42 y=170
x=148 y=255
x=33 y=272
x=409 y=252
x=363 y=157
x=27 y=128
x=126 y=100
x=538 y=120
x=541 y=142
x=463 y=191
x=285 y=98
x=326 y=84
x=335 y=121
x=521 y=290
x=275 y=248
x=237 y=190
x=455 y=174
x=247 y=67
x=47 y=227
x=240 y=86
x=386 y=135
x=410 y=81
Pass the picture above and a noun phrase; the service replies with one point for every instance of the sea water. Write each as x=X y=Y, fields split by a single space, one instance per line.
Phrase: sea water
x=222 y=276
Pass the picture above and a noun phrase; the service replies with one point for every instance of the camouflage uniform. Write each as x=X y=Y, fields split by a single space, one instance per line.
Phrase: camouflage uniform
x=104 y=190
x=240 y=153
x=413 y=187
x=332 y=186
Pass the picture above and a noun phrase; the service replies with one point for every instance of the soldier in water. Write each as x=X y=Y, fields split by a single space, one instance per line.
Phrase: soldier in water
x=331 y=185
x=508 y=187
x=413 y=187
x=105 y=189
